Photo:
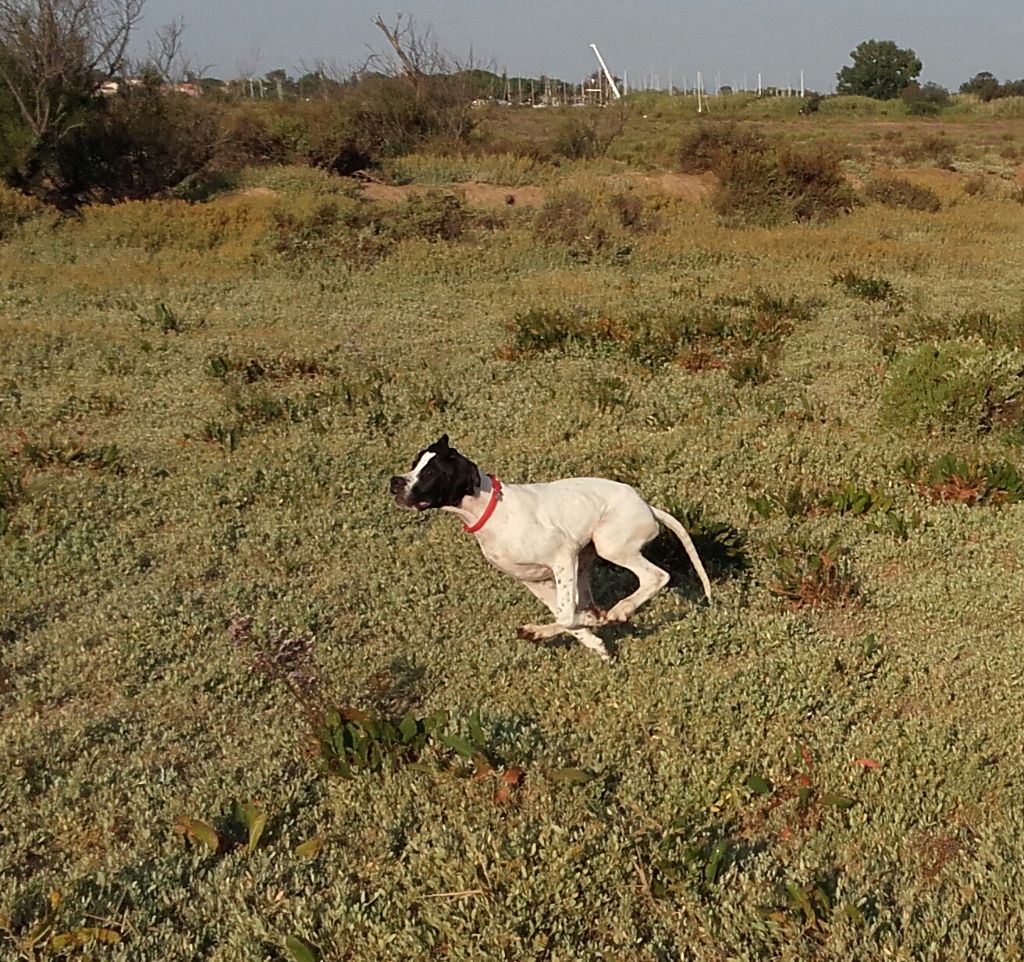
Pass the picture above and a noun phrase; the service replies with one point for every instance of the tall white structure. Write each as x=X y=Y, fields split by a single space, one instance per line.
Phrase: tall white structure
x=607 y=73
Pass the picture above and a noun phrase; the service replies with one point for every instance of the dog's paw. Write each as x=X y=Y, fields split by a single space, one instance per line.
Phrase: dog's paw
x=617 y=616
x=529 y=633
x=591 y=617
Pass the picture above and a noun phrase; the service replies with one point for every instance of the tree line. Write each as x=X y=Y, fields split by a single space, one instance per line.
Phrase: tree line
x=81 y=123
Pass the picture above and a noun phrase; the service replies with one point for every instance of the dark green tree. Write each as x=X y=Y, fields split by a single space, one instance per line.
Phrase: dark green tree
x=983 y=84
x=880 y=70
x=924 y=101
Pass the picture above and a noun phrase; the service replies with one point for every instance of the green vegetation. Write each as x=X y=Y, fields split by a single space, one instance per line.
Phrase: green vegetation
x=253 y=711
x=880 y=70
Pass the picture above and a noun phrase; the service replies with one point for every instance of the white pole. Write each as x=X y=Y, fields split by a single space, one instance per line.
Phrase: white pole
x=607 y=72
x=759 y=83
x=801 y=83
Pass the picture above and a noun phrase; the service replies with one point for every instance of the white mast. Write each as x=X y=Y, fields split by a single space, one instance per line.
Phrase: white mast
x=607 y=72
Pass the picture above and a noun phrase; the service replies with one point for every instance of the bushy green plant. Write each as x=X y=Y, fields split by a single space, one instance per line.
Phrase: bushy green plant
x=137 y=144
x=924 y=101
x=952 y=385
x=867 y=288
x=569 y=218
x=722 y=547
x=955 y=479
x=431 y=216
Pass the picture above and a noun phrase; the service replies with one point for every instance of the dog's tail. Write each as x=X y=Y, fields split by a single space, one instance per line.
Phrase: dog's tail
x=680 y=532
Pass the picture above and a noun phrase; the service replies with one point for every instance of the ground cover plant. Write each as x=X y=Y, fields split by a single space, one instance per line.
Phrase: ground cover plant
x=252 y=711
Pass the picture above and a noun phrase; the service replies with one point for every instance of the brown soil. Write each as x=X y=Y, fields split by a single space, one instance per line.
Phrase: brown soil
x=686 y=186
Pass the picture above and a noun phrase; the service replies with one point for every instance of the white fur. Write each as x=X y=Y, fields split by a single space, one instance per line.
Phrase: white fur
x=547 y=535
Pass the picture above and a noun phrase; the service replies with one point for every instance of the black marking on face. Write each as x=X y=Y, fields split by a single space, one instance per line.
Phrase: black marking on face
x=439 y=477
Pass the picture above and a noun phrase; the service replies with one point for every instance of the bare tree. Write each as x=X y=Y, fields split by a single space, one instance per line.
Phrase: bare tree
x=54 y=54
x=248 y=67
x=440 y=81
x=167 y=56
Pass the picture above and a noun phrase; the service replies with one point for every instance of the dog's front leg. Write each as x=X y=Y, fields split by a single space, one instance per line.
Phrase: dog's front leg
x=567 y=602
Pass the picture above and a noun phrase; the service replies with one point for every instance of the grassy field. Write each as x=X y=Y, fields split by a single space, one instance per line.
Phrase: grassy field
x=200 y=408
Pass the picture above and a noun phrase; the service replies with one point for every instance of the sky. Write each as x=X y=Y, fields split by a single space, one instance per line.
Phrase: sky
x=726 y=41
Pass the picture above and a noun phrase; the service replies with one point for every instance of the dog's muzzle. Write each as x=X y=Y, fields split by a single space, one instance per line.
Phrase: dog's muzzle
x=402 y=493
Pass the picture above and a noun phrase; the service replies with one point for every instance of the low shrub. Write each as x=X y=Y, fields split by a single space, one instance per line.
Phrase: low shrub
x=953 y=385
x=359 y=233
x=722 y=547
x=924 y=101
x=570 y=218
x=875 y=289
x=135 y=145
x=897 y=192
x=16 y=208
x=950 y=478
x=712 y=144
x=781 y=186
x=936 y=149
x=737 y=325
x=814 y=578
x=431 y=216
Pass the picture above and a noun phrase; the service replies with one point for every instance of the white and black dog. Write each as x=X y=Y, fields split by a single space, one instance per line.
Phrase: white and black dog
x=547 y=535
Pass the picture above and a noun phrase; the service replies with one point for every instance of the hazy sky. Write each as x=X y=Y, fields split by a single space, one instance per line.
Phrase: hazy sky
x=954 y=38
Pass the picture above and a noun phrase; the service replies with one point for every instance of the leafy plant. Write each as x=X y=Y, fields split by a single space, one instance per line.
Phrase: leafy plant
x=814 y=577
x=67 y=453
x=850 y=499
x=721 y=546
x=691 y=861
x=952 y=384
x=11 y=492
x=807 y=910
x=52 y=936
x=163 y=319
x=754 y=367
x=867 y=288
x=351 y=742
x=950 y=478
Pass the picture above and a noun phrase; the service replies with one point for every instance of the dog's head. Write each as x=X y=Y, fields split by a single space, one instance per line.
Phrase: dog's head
x=440 y=477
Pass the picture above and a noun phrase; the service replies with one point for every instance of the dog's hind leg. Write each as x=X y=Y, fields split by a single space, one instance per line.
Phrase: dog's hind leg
x=547 y=592
x=624 y=551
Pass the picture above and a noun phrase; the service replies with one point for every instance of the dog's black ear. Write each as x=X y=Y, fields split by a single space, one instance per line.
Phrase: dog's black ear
x=467 y=480
x=442 y=442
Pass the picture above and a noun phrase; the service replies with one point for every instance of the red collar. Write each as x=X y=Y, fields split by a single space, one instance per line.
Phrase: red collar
x=489 y=510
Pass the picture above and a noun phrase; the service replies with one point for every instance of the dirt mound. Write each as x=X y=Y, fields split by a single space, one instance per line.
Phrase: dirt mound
x=686 y=186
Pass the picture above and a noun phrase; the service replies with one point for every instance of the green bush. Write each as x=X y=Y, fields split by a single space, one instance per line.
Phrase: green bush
x=137 y=144
x=954 y=385
x=867 y=288
x=898 y=192
x=926 y=101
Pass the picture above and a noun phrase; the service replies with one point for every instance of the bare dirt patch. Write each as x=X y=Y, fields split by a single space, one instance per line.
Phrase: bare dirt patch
x=685 y=186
